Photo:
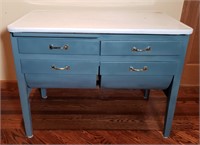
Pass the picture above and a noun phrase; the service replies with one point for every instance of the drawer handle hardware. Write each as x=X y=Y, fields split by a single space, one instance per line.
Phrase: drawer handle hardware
x=60 y=68
x=134 y=49
x=65 y=47
x=131 y=68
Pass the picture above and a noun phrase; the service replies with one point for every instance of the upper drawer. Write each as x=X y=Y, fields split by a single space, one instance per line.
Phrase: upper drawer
x=138 y=68
x=59 y=66
x=74 y=46
x=140 y=48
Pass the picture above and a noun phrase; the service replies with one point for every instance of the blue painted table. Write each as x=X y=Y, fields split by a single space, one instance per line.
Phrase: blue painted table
x=140 y=51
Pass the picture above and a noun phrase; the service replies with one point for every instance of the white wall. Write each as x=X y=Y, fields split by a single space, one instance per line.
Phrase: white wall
x=13 y=9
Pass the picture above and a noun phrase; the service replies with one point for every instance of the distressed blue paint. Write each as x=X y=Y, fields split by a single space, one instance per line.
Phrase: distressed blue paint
x=87 y=53
x=136 y=82
x=173 y=91
x=125 y=47
x=45 y=66
x=43 y=93
x=29 y=91
x=60 y=81
x=23 y=90
x=76 y=46
x=153 y=68
x=106 y=37
x=138 y=58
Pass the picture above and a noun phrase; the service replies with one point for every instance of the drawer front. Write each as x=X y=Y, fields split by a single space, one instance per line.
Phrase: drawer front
x=60 y=81
x=140 y=48
x=59 y=67
x=138 y=68
x=136 y=82
x=58 y=46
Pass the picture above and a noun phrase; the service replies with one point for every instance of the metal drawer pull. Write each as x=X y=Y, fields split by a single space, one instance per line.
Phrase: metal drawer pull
x=131 y=68
x=148 y=48
x=65 y=47
x=61 y=68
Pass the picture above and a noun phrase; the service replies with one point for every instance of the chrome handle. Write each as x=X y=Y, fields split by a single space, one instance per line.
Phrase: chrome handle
x=134 y=49
x=131 y=68
x=65 y=47
x=61 y=68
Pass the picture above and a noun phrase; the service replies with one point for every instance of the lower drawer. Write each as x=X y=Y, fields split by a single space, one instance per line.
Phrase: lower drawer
x=51 y=66
x=136 y=82
x=60 y=81
x=161 y=68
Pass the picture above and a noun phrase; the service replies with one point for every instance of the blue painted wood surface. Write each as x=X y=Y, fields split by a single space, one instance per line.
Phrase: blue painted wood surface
x=107 y=56
x=23 y=90
x=75 y=46
x=60 y=81
x=43 y=93
x=126 y=47
x=45 y=66
x=136 y=82
x=153 y=68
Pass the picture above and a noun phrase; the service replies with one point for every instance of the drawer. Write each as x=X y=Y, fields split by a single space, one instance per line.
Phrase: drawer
x=138 y=68
x=59 y=66
x=136 y=82
x=140 y=48
x=58 y=46
x=60 y=81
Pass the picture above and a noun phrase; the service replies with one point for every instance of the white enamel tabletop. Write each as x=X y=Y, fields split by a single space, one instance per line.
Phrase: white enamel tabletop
x=91 y=20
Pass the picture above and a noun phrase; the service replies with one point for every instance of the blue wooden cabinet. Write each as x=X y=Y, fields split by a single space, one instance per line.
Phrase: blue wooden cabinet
x=116 y=60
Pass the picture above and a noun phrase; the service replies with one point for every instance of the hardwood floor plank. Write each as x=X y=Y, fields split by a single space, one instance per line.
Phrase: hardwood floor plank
x=92 y=122
x=75 y=116
x=16 y=136
x=97 y=106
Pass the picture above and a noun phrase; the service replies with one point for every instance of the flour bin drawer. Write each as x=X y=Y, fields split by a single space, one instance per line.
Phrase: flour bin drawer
x=59 y=66
x=73 y=46
x=60 y=81
x=136 y=82
x=140 y=48
x=138 y=68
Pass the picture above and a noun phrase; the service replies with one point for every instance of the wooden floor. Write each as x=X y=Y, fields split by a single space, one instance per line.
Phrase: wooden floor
x=72 y=116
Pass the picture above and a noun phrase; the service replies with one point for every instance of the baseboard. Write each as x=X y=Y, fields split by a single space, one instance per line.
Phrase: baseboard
x=6 y=84
x=189 y=85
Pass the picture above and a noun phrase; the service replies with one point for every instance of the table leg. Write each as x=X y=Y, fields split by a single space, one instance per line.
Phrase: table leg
x=23 y=90
x=43 y=93
x=170 y=107
x=146 y=94
x=24 y=99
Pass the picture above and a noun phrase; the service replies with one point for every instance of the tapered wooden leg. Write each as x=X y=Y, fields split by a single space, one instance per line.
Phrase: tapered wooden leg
x=169 y=115
x=170 y=107
x=23 y=90
x=43 y=93
x=146 y=94
x=24 y=99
